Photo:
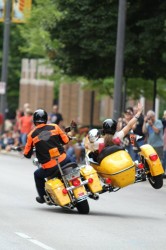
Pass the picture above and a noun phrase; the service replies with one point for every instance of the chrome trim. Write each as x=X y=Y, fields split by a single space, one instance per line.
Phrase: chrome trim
x=75 y=172
x=73 y=187
x=85 y=197
x=118 y=172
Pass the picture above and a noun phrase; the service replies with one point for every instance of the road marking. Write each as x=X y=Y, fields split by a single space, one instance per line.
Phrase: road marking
x=36 y=242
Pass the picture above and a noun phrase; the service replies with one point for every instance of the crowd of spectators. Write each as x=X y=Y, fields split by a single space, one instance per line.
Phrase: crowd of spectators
x=14 y=132
x=150 y=130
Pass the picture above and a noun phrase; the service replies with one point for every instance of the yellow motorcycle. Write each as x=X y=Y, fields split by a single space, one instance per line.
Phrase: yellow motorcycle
x=67 y=189
x=116 y=169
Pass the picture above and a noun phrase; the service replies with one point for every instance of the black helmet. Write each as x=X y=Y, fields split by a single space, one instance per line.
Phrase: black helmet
x=40 y=116
x=109 y=126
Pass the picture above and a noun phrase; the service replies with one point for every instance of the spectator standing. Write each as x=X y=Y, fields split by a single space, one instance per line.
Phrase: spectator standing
x=137 y=130
x=25 y=125
x=26 y=106
x=19 y=114
x=154 y=130
x=56 y=117
x=122 y=122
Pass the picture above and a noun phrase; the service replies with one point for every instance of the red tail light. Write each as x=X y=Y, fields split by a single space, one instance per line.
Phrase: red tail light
x=64 y=191
x=153 y=157
x=90 y=180
x=108 y=181
x=76 y=182
x=140 y=165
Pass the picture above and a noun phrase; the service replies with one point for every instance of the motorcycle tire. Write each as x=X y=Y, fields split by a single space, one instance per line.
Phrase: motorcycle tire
x=156 y=181
x=83 y=207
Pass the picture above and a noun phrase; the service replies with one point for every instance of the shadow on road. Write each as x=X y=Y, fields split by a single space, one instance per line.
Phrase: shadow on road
x=74 y=212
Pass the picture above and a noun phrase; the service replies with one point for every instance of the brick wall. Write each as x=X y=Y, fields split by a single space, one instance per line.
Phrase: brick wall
x=75 y=104
x=35 y=89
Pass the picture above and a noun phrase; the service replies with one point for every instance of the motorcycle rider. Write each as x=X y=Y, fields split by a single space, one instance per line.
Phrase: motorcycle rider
x=48 y=140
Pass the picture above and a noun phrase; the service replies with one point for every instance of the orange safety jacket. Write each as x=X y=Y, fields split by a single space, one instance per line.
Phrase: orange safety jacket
x=48 y=140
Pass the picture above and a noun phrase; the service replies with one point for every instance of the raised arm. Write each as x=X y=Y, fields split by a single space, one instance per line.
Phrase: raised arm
x=132 y=122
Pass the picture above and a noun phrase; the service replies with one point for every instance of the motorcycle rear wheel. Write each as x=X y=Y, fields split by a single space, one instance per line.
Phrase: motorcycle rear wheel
x=156 y=181
x=83 y=207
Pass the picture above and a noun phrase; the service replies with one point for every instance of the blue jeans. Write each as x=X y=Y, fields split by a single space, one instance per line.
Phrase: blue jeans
x=23 y=138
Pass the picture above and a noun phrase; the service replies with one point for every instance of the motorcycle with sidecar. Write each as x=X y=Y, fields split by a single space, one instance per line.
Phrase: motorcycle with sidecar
x=116 y=169
x=113 y=170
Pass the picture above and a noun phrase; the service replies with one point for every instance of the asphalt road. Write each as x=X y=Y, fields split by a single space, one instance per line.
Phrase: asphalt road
x=130 y=219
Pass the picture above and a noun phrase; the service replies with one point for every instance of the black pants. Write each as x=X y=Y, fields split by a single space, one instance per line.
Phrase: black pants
x=40 y=174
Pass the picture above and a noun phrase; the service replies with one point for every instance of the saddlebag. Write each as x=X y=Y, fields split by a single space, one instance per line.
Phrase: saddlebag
x=89 y=172
x=54 y=187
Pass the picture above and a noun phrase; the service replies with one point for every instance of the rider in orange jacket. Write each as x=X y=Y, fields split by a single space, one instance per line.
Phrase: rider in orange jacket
x=48 y=140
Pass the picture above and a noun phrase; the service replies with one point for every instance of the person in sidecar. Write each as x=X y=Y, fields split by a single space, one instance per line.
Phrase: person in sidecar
x=111 y=136
x=94 y=142
x=48 y=140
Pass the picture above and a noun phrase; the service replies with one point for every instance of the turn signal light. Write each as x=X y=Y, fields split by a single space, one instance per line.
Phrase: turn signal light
x=64 y=191
x=108 y=181
x=90 y=180
x=153 y=157
x=140 y=165
x=76 y=182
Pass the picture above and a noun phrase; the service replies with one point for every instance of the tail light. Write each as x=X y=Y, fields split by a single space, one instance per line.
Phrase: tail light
x=90 y=180
x=140 y=165
x=108 y=181
x=153 y=157
x=64 y=191
x=76 y=182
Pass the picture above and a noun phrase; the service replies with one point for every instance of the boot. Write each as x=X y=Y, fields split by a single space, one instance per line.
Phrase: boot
x=40 y=200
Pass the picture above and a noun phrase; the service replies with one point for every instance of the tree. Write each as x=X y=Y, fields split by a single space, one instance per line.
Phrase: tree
x=79 y=37
x=88 y=33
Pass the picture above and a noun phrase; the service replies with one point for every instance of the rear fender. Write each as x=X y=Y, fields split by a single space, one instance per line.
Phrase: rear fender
x=155 y=167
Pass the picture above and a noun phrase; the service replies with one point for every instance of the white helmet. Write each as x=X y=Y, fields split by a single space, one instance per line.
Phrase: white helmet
x=93 y=135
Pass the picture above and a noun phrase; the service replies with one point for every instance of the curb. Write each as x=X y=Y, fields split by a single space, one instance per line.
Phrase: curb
x=15 y=154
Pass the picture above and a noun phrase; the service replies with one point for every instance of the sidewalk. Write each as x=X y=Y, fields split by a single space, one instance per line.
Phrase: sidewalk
x=11 y=153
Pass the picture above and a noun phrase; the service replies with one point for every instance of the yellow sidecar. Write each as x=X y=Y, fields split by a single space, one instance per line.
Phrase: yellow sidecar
x=116 y=164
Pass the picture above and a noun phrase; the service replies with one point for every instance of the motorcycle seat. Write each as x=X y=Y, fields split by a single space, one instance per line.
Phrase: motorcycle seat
x=66 y=168
x=107 y=151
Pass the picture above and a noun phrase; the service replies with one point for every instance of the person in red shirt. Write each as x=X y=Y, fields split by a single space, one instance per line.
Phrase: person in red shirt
x=25 y=125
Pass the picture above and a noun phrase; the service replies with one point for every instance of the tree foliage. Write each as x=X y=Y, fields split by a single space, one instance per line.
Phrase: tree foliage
x=82 y=41
x=79 y=38
x=88 y=33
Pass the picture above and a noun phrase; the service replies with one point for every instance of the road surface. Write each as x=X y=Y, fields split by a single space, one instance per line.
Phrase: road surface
x=130 y=219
